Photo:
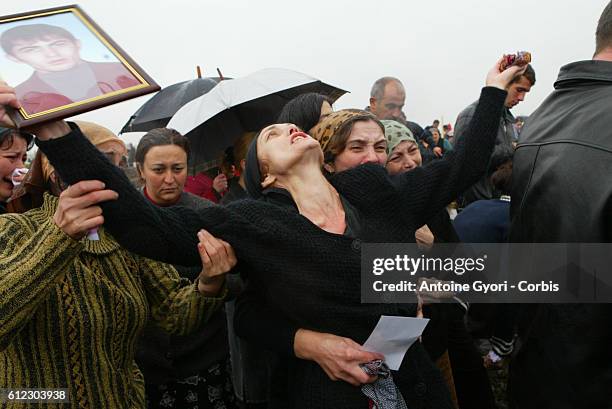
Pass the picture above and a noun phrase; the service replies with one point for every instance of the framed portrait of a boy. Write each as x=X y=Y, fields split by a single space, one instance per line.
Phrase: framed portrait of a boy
x=61 y=63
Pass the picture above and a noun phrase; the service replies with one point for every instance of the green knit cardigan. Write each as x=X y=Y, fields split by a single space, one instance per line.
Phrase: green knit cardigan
x=71 y=311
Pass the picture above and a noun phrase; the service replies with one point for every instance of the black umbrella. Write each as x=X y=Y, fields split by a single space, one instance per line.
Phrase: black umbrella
x=215 y=120
x=157 y=111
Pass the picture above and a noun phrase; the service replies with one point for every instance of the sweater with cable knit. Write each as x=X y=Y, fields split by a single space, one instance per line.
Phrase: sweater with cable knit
x=71 y=311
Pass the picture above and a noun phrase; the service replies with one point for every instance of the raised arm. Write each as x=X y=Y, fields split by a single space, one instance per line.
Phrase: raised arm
x=428 y=189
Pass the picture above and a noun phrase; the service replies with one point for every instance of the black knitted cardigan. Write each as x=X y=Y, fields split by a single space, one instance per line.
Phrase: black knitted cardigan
x=310 y=275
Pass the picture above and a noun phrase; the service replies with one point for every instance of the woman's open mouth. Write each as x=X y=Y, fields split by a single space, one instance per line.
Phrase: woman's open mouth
x=297 y=136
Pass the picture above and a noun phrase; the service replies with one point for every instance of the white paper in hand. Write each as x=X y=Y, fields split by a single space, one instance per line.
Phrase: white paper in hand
x=392 y=337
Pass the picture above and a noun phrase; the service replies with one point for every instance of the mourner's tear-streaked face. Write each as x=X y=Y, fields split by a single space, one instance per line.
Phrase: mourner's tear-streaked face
x=365 y=144
x=405 y=156
x=11 y=157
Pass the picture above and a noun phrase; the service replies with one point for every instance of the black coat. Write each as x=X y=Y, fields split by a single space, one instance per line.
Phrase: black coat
x=484 y=189
x=165 y=358
x=562 y=192
x=312 y=276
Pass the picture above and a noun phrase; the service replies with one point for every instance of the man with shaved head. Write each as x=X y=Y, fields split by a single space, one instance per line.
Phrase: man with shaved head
x=387 y=99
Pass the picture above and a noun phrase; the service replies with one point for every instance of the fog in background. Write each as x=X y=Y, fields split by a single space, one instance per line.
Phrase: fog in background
x=440 y=49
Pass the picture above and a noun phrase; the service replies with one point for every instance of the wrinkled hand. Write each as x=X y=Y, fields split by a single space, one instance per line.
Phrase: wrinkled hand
x=502 y=79
x=338 y=356
x=220 y=183
x=424 y=238
x=217 y=259
x=77 y=211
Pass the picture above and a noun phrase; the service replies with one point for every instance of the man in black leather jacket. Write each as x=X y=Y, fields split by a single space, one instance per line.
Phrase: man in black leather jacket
x=562 y=192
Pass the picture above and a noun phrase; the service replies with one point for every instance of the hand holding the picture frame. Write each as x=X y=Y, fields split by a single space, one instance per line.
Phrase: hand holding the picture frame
x=76 y=215
x=8 y=101
x=45 y=131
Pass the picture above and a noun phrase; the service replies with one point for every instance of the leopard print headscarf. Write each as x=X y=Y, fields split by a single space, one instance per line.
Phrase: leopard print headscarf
x=327 y=128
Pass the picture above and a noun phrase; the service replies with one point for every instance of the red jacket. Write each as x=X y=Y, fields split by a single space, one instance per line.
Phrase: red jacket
x=202 y=185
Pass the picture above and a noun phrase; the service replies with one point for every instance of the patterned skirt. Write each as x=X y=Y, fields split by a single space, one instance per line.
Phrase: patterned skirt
x=209 y=389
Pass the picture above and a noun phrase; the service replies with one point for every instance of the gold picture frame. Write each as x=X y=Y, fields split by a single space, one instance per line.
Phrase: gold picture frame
x=48 y=47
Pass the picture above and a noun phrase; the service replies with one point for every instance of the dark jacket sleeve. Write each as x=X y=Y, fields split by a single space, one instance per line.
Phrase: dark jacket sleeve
x=442 y=228
x=167 y=234
x=262 y=325
x=427 y=189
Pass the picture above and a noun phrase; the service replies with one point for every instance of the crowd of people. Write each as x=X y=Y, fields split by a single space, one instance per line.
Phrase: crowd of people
x=241 y=288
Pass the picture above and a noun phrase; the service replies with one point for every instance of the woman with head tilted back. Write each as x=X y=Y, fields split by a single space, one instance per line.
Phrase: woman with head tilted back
x=297 y=241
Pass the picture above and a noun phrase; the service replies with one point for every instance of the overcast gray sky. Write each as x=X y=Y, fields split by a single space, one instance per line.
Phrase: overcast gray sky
x=440 y=49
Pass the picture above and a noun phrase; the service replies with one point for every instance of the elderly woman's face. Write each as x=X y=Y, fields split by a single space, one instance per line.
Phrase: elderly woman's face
x=164 y=172
x=405 y=156
x=365 y=144
x=11 y=157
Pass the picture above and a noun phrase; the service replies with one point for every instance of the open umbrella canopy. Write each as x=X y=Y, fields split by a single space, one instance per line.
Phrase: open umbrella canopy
x=216 y=119
x=157 y=111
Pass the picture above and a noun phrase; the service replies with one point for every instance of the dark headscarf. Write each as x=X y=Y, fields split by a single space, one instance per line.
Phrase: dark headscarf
x=252 y=174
